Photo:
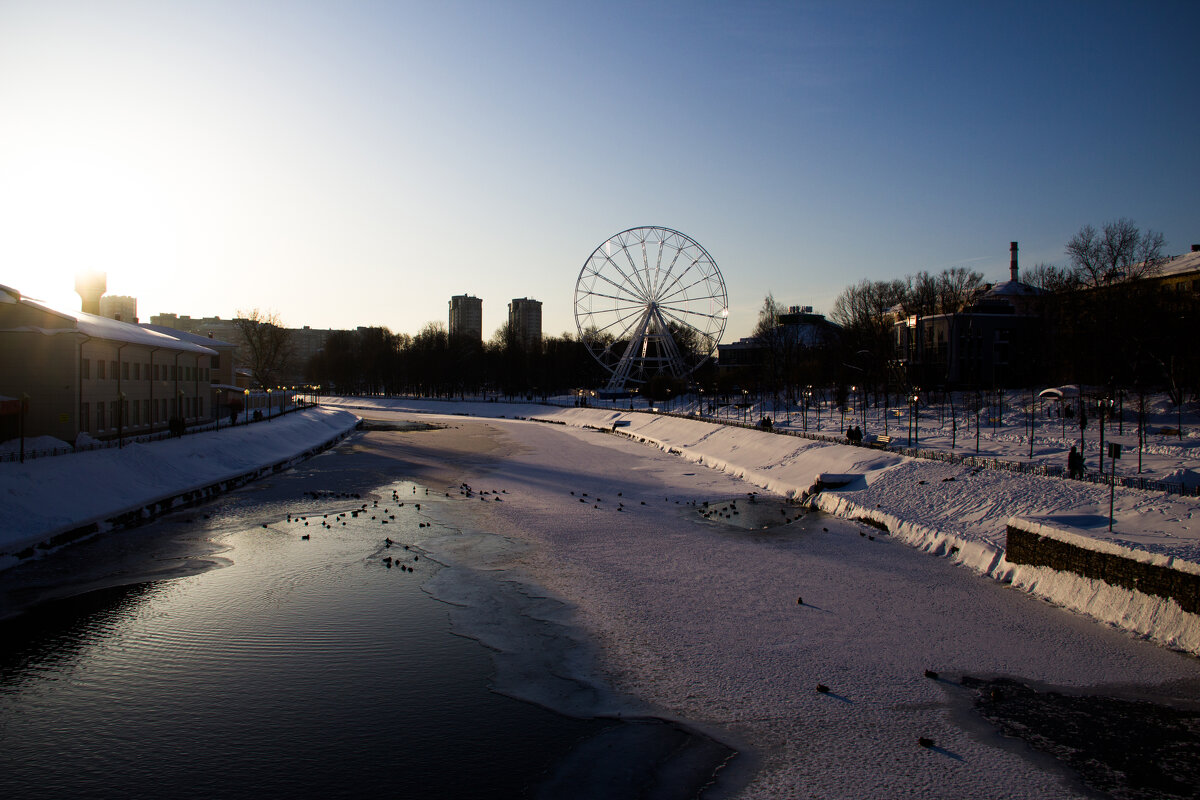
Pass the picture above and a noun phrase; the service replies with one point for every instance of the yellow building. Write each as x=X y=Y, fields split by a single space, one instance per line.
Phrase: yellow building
x=80 y=373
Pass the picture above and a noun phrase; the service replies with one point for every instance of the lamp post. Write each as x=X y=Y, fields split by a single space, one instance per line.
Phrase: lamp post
x=745 y=405
x=217 y=409
x=914 y=425
x=1105 y=404
x=246 y=395
x=120 y=420
x=807 y=403
x=268 y=403
x=853 y=390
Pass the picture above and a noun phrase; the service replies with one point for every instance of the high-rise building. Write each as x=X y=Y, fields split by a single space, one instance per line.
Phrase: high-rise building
x=119 y=307
x=466 y=316
x=525 y=322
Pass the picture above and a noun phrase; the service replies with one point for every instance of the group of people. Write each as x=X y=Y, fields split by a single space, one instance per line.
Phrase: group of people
x=854 y=435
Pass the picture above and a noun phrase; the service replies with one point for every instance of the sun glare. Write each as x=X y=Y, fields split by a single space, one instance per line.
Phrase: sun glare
x=71 y=210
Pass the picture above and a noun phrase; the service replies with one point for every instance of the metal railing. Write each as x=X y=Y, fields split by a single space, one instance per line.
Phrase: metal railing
x=983 y=462
x=141 y=438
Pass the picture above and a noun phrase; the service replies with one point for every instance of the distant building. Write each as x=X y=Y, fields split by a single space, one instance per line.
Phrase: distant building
x=305 y=342
x=992 y=342
x=119 y=307
x=525 y=322
x=82 y=373
x=1180 y=273
x=801 y=329
x=466 y=316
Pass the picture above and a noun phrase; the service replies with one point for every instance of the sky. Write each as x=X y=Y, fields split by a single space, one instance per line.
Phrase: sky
x=358 y=163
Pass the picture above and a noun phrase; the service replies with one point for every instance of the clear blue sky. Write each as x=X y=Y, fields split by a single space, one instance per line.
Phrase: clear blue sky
x=357 y=163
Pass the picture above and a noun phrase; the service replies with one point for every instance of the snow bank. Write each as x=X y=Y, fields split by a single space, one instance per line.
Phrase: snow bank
x=48 y=497
x=954 y=511
x=1150 y=594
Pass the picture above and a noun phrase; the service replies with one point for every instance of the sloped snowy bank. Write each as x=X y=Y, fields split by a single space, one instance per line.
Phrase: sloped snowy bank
x=46 y=496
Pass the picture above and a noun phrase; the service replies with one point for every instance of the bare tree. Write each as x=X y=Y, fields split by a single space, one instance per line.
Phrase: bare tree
x=1050 y=278
x=922 y=297
x=1121 y=252
x=957 y=288
x=267 y=346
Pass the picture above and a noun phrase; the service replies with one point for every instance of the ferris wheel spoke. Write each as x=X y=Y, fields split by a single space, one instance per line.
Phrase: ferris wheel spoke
x=618 y=299
x=641 y=278
x=637 y=287
x=679 y=278
x=670 y=268
x=631 y=296
x=619 y=320
x=688 y=311
x=683 y=289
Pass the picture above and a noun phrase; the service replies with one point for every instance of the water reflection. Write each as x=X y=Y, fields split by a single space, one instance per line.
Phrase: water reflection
x=307 y=667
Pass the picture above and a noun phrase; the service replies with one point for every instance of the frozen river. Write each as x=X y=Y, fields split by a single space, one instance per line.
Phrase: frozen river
x=311 y=664
x=669 y=634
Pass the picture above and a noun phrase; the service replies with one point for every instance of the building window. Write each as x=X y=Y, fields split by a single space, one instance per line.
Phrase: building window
x=137 y=370
x=100 y=415
x=112 y=366
x=99 y=369
x=85 y=416
x=147 y=373
x=85 y=369
x=146 y=412
x=199 y=406
x=124 y=370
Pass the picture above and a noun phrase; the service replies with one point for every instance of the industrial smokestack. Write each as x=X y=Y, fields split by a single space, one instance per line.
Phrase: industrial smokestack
x=1012 y=264
x=90 y=286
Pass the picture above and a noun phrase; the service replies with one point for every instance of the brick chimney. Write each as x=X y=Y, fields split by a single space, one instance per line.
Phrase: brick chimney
x=1012 y=263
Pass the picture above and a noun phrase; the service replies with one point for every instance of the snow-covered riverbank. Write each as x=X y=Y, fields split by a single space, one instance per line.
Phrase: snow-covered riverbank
x=947 y=509
x=46 y=496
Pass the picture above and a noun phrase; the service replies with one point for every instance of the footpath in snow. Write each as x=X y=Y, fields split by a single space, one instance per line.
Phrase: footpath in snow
x=50 y=497
x=951 y=510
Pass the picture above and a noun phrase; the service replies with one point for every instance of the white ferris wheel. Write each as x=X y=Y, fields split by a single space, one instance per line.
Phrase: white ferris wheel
x=650 y=301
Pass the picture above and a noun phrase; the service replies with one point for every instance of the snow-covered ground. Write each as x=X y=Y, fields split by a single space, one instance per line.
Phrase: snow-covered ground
x=947 y=509
x=732 y=628
x=44 y=496
x=707 y=624
x=1169 y=451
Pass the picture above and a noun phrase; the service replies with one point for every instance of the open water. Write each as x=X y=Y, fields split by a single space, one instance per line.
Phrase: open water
x=315 y=667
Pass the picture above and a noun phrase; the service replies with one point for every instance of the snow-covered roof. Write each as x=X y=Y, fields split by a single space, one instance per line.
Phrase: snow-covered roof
x=98 y=327
x=194 y=338
x=1188 y=262
x=1012 y=289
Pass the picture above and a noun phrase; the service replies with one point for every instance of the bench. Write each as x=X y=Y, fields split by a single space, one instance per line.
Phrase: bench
x=881 y=442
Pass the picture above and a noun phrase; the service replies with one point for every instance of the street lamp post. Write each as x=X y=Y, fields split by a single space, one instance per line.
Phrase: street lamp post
x=217 y=409
x=246 y=395
x=269 y=404
x=120 y=420
x=1105 y=404
x=914 y=425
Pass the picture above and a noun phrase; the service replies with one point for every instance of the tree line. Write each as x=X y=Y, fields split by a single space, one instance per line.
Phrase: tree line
x=1100 y=319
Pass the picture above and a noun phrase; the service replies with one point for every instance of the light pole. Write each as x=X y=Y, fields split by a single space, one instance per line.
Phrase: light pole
x=1105 y=404
x=120 y=420
x=246 y=395
x=217 y=409
x=268 y=403
x=914 y=425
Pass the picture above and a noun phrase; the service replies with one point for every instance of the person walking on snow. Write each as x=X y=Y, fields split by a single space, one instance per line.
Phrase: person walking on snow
x=1075 y=463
